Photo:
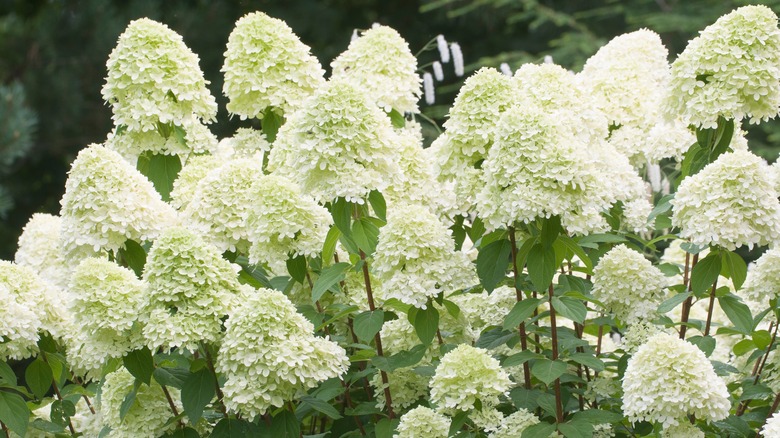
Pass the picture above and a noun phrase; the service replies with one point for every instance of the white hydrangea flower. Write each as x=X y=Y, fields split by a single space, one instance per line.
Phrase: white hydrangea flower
x=466 y=374
x=153 y=77
x=267 y=66
x=763 y=277
x=284 y=221
x=148 y=417
x=483 y=310
x=245 y=143
x=732 y=69
x=772 y=427
x=107 y=201
x=422 y=422
x=269 y=354
x=627 y=77
x=191 y=174
x=637 y=333
x=191 y=138
x=338 y=145
x=605 y=430
x=19 y=325
x=220 y=207
x=415 y=257
x=381 y=63
x=45 y=299
x=653 y=141
x=731 y=202
x=487 y=419
x=683 y=429
x=39 y=249
x=514 y=424
x=668 y=379
x=191 y=288
x=628 y=284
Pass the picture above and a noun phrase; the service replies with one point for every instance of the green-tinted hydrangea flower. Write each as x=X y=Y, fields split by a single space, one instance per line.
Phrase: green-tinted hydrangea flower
x=270 y=353
x=338 y=145
x=772 y=427
x=628 y=284
x=245 y=143
x=107 y=201
x=415 y=257
x=763 y=279
x=191 y=288
x=684 y=429
x=731 y=202
x=191 y=174
x=668 y=379
x=422 y=422
x=653 y=141
x=732 y=69
x=154 y=78
x=465 y=375
x=380 y=62
x=147 y=417
x=483 y=310
x=514 y=424
x=39 y=249
x=19 y=325
x=283 y=221
x=193 y=138
x=267 y=66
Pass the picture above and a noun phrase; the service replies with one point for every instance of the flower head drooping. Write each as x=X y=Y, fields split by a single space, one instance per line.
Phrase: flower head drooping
x=267 y=66
x=381 y=63
x=422 y=422
x=284 y=221
x=731 y=202
x=762 y=280
x=269 y=353
x=514 y=424
x=732 y=69
x=337 y=145
x=39 y=249
x=148 y=416
x=772 y=427
x=466 y=374
x=628 y=284
x=107 y=202
x=668 y=379
x=191 y=288
x=415 y=258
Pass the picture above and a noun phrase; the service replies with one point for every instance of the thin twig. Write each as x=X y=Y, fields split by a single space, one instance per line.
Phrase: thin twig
x=519 y=296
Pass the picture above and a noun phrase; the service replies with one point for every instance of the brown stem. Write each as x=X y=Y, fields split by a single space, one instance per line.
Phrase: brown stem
x=519 y=296
x=171 y=404
x=554 y=333
x=377 y=337
x=438 y=336
x=220 y=395
x=79 y=382
x=774 y=405
x=710 y=308
x=758 y=367
x=686 y=309
x=57 y=391
x=348 y=400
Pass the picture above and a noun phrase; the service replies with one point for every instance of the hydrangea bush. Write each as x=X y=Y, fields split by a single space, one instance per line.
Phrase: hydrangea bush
x=565 y=259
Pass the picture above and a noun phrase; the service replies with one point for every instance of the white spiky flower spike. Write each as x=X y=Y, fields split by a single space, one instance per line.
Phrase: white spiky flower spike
x=457 y=59
x=506 y=69
x=438 y=72
x=444 y=51
x=548 y=59
x=430 y=97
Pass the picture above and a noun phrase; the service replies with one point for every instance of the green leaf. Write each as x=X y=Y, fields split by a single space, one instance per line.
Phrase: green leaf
x=38 y=376
x=494 y=338
x=600 y=238
x=737 y=312
x=296 y=266
x=694 y=160
x=397 y=119
x=576 y=430
x=492 y=262
x=426 y=323
x=321 y=406
x=762 y=338
x=540 y=430
x=542 y=265
x=520 y=358
x=161 y=170
x=596 y=416
x=285 y=425
x=705 y=273
x=271 y=123
x=386 y=427
x=328 y=277
x=62 y=411
x=520 y=311
x=457 y=422
x=570 y=308
x=452 y=308
x=173 y=377
x=551 y=228
x=235 y=428
x=575 y=248
x=47 y=426
x=366 y=235
x=705 y=343
x=14 y=412
x=548 y=370
x=743 y=346
x=401 y=359
x=329 y=248
x=7 y=374
x=128 y=401
x=588 y=360
x=198 y=390
x=341 y=210
x=673 y=302
x=734 y=267
x=722 y=139
x=378 y=204
x=187 y=432
x=525 y=398
x=368 y=324
x=134 y=255
x=140 y=364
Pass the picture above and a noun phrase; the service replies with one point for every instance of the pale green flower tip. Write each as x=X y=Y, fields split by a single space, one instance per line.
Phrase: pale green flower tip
x=709 y=79
x=422 y=422
x=466 y=374
x=730 y=203
x=381 y=63
x=149 y=415
x=154 y=77
x=267 y=66
x=668 y=379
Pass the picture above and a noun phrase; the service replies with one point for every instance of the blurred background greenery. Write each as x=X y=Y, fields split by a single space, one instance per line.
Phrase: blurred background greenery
x=53 y=55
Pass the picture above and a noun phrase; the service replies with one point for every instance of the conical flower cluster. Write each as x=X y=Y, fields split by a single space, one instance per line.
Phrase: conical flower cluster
x=466 y=374
x=191 y=288
x=267 y=66
x=514 y=424
x=380 y=62
x=269 y=354
x=761 y=284
x=422 y=422
x=19 y=325
x=39 y=249
x=732 y=69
